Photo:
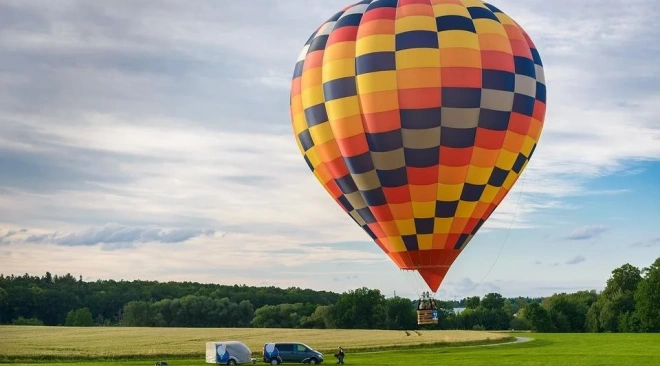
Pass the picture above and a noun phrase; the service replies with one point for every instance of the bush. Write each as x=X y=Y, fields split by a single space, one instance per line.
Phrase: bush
x=28 y=321
x=79 y=318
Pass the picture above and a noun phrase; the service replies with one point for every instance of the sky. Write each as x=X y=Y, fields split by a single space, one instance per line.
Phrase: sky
x=152 y=140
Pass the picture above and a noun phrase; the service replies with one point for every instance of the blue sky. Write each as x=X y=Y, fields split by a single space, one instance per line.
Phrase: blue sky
x=152 y=140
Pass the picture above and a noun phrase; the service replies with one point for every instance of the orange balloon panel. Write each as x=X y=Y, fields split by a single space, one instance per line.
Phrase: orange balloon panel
x=418 y=117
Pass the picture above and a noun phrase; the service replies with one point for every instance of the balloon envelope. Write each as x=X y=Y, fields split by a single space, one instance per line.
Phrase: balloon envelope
x=418 y=116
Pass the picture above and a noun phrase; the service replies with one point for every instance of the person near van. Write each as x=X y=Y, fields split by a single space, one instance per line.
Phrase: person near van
x=340 y=356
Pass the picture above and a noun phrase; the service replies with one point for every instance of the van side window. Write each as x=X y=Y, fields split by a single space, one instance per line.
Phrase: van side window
x=300 y=348
x=285 y=347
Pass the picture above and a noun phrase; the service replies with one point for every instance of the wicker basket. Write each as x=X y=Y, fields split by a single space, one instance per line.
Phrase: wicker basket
x=426 y=317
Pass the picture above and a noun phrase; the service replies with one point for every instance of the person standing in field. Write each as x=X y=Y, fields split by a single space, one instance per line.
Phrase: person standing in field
x=340 y=356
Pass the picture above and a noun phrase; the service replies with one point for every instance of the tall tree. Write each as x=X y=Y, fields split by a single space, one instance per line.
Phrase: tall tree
x=538 y=318
x=400 y=314
x=569 y=311
x=493 y=301
x=472 y=302
x=138 y=314
x=616 y=299
x=647 y=297
x=79 y=318
x=4 y=306
x=623 y=279
x=360 y=309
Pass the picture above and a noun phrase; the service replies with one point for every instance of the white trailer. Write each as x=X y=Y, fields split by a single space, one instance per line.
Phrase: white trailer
x=228 y=353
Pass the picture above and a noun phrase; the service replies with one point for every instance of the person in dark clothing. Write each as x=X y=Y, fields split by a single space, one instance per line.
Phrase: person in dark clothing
x=340 y=356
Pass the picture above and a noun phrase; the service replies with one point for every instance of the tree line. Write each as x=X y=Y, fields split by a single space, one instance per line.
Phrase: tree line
x=629 y=303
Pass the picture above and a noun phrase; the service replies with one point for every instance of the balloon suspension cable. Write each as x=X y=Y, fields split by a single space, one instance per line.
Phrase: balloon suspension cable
x=414 y=285
x=506 y=237
x=417 y=283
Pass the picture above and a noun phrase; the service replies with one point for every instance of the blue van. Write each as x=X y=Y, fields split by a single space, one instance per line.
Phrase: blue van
x=290 y=352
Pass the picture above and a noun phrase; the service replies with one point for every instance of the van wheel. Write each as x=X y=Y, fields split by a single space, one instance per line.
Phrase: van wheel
x=312 y=361
x=231 y=362
x=274 y=362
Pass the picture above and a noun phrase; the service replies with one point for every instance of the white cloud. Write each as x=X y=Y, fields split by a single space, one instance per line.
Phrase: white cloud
x=587 y=232
x=465 y=287
x=234 y=258
x=111 y=236
x=651 y=243
x=576 y=260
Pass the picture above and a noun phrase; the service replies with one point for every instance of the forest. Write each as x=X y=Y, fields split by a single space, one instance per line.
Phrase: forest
x=628 y=303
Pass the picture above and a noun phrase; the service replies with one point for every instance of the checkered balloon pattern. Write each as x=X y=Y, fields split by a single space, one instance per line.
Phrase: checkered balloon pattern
x=418 y=117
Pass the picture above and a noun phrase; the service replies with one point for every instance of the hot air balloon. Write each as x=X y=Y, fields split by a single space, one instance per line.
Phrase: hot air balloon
x=418 y=117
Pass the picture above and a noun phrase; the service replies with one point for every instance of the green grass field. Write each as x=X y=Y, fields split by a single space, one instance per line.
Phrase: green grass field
x=39 y=345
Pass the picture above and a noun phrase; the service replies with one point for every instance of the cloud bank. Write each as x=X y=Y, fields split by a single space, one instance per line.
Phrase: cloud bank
x=135 y=126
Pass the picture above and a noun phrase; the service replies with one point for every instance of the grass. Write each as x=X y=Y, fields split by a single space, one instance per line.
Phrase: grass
x=545 y=349
x=68 y=343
